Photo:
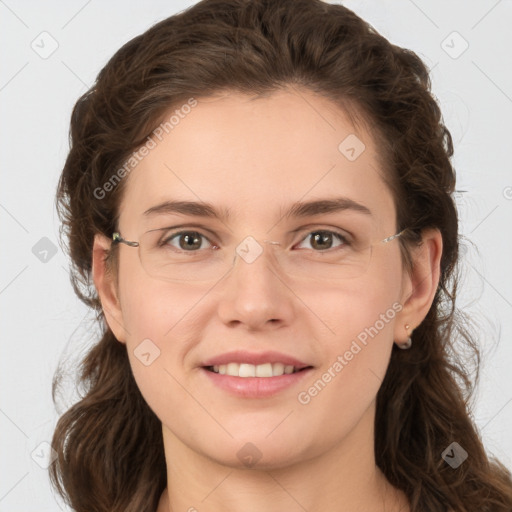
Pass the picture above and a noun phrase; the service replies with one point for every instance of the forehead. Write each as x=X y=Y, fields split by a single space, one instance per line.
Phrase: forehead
x=254 y=156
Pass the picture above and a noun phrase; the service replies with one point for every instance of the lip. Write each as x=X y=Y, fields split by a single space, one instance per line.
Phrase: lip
x=255 y=387
x=255 y=358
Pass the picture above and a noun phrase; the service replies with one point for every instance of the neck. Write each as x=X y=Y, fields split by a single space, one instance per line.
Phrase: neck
x=345 y=478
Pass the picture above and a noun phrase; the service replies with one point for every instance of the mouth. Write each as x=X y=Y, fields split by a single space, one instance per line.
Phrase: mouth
x=246 y=374
x=261 y=381
x=265 y=370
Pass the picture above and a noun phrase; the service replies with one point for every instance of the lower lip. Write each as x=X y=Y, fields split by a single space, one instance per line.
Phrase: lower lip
x=256 y=387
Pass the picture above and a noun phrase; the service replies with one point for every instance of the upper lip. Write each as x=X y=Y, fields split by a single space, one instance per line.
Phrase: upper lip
x=255 y=358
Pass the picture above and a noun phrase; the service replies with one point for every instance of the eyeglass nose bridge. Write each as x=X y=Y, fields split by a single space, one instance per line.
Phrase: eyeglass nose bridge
x=250 y=249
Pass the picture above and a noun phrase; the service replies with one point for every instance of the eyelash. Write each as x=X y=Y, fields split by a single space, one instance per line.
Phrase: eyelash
x=341 y=237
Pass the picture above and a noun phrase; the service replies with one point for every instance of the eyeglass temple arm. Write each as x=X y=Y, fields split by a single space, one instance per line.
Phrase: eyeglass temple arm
x=392 y=237
x=117 y=239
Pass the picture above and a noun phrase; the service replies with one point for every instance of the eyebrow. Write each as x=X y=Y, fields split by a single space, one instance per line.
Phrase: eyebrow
x=298 y=209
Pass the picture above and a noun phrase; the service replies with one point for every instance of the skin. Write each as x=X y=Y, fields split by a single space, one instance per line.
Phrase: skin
x=256 y=156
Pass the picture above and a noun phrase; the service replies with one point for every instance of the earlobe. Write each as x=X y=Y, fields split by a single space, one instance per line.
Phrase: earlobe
x=421 y=283
x=105 y=285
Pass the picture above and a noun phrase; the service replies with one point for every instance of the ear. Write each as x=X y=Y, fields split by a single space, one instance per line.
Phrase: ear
x=106 y=286
x=420 y=285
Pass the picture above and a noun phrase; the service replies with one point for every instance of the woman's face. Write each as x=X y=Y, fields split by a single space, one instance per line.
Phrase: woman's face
x=257 y=158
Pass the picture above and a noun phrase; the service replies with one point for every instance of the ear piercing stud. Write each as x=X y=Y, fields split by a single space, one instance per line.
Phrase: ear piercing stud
x=408 y=343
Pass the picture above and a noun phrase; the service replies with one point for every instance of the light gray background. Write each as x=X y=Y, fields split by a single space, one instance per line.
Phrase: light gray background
x=41 y=318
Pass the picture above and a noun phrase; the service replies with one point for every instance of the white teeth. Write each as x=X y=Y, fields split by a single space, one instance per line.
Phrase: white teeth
x=277 y=368
x=262 y=370
x=244 y=370
x=232 y=368
x=251 y=370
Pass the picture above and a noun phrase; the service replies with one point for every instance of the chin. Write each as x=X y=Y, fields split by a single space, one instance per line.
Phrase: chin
x=257 y=457
x=259 y=452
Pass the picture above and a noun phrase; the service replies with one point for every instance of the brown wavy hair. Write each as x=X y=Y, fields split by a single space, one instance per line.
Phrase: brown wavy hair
x=109 y=444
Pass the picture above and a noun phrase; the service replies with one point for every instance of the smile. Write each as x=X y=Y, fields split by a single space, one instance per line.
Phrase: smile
x=254 y=381
x=251 y=370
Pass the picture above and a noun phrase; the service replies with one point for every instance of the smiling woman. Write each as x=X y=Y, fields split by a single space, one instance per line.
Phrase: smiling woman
x=276 y=271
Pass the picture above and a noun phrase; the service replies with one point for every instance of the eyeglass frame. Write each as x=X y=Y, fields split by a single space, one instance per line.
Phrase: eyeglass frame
x=118 y=239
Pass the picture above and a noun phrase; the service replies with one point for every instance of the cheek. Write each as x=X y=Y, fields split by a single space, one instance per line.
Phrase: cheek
x=353 y=310
x=354 y=356
x=152 y=308
x=355 y=334
x=156 y=317
x=161 y=330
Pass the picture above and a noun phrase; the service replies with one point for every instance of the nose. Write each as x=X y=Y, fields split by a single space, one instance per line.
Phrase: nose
x=254 y=292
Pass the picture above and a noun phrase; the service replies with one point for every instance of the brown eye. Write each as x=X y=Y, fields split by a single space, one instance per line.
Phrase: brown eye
x=323 y=240
x=187 y=240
